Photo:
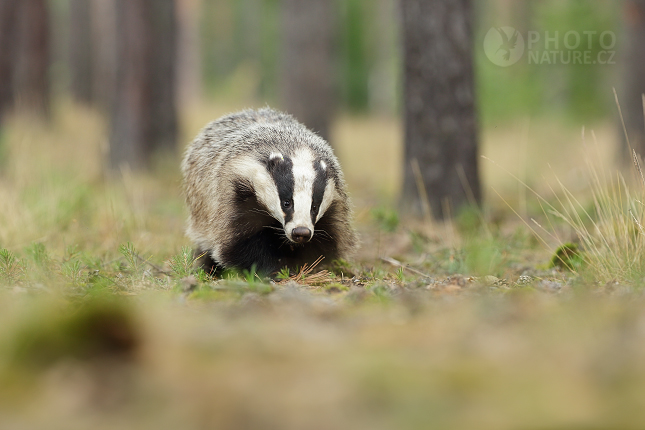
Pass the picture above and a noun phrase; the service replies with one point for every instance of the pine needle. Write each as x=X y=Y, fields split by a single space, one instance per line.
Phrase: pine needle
x=305 y=276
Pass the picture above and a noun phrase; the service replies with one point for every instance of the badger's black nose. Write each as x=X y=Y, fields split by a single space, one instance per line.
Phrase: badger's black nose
x=301 y=234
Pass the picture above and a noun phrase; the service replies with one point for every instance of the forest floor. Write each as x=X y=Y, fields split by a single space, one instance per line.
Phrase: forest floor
x=468 y=324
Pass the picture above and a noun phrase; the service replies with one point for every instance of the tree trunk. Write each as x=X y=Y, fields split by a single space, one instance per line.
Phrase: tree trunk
x=8 y=37
x=33 y=58
x=144 y=117
x=163 y=74
x=634 y=77
x=189 y=78
x=308 y=91
x=104 y=53
x=440 y=121
x=80 y=50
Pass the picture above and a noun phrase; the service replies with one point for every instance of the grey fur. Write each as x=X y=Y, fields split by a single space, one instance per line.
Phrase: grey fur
x=209 y=169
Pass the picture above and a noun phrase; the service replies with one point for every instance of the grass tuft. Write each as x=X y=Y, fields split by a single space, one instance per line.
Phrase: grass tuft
x=132 y=257
x=181 y=264
x=10 y=268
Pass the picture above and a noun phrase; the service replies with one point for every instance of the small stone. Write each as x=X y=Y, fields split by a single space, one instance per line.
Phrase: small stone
x=491 y=280
x=524 y=279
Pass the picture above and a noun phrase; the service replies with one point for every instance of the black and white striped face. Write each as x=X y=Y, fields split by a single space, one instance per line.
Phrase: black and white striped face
x=304 y=192
x=296 y=190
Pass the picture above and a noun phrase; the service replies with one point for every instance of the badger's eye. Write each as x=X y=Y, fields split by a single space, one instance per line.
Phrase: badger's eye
x=314 y=208
x=286 y=204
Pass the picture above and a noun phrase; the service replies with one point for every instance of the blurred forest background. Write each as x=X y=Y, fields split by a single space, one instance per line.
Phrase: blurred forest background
x=157 y=71
x=528 y=314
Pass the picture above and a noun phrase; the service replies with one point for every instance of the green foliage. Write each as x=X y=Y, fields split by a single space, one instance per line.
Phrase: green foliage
x=387 y=219
x=269 y=49
x=73 y=271
x=73 y=206
x=251 y=276
x=131 y=256
x=341 y=267
x=10 y=268
x=283 y=274
x=38 y=253
x=576 y=91
x=419 y=241
x=400 y=274
x=354 y=55
x=99 y=285
x=71 y=252
x=181 y=264
x=203 y=276
x=567 y=256
x=380 y=292
x=335 y=288
x=469 y=220
x=483 y=256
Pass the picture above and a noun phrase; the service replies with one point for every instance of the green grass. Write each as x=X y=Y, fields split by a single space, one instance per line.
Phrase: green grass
x=104 y=321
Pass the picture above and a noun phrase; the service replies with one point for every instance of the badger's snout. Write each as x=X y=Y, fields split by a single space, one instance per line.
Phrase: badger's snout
x=301 y=234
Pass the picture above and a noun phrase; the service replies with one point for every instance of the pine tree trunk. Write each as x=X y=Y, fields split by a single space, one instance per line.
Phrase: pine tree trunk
x=32 y=85
x=144 y=117
x=308 y=90
x=130 y=110
x=189 y=75
x=163 y=73
x=104 y=53
x=441 y=166
x=634 y=79
x=80 y=50
x=8 y=36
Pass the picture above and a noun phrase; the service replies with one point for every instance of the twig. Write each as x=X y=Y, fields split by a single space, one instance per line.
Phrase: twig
x=154 y=266
x=304 y=277
x=397 y=263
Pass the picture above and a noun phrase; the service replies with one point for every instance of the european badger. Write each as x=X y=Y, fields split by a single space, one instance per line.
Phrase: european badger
x=266 y=192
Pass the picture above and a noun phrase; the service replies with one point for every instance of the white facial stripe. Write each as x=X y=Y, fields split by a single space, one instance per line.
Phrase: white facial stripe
x=328 y=198
x=303 y=176
x=265 y=188
x=323 y=164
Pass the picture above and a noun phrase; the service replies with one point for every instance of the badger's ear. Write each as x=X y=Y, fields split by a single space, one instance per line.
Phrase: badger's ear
x=275 y=158
x=321 y=168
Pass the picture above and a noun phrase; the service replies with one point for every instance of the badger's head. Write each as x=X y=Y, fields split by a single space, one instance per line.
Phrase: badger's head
x=296 y=190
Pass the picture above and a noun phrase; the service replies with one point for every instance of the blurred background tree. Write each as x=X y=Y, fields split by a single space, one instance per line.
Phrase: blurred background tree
x=8 y=35
x=633 y=88
x=25 y=56
x=308 y=81
x=144 y=112
x=31 y=79
x=80 y=51
x=441 y=163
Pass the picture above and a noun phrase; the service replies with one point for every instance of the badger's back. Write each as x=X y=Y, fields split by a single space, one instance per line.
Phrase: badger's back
x=247 y=178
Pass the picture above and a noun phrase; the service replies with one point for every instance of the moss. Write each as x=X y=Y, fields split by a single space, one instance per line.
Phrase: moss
x=568 y=256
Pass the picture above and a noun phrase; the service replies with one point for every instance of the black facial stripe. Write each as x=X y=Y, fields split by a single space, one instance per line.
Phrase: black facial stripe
x=281 y=170
x=244 y=191
x=320 y=182
x=250 y=214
